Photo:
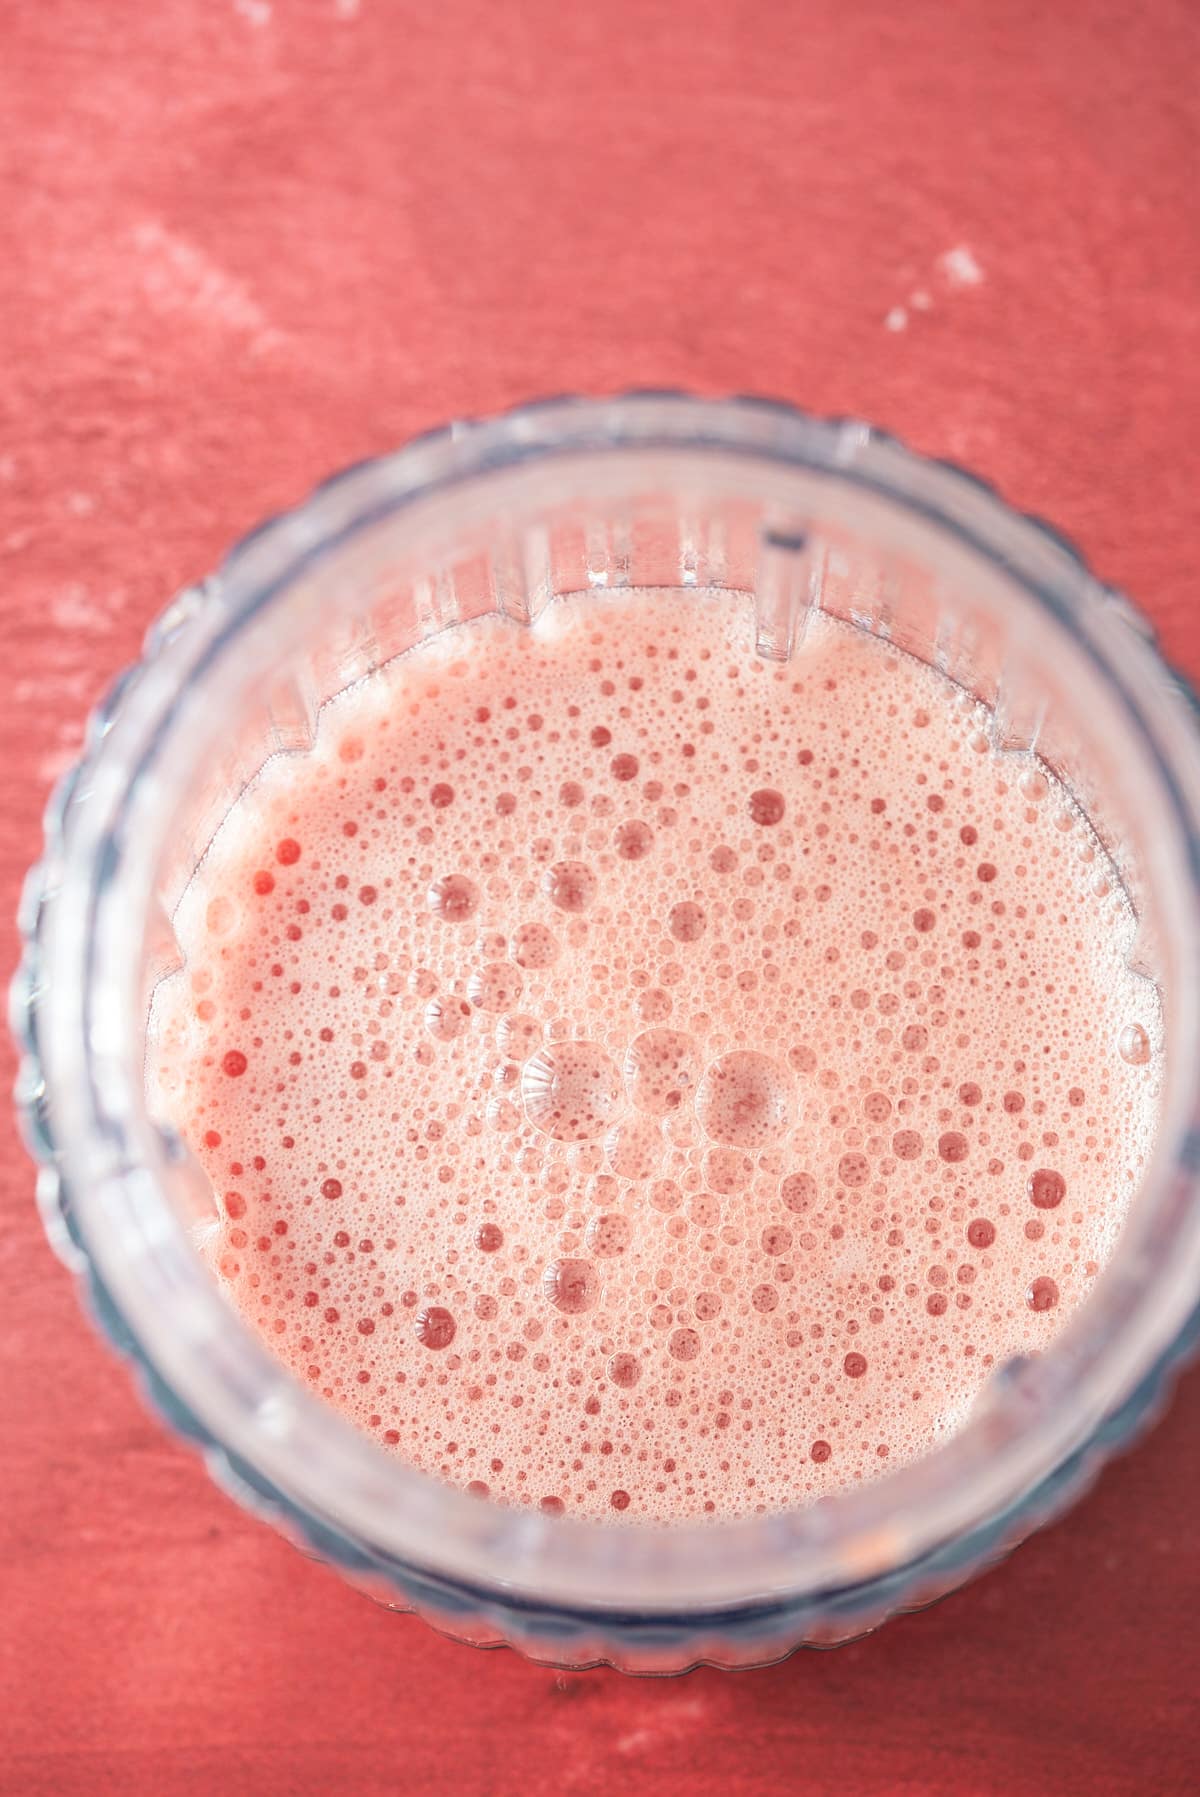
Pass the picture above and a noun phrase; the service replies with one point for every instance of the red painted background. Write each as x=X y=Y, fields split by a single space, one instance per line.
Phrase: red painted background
x=244 y=241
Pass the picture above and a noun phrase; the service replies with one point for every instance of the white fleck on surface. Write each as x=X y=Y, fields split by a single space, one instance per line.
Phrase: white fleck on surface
x=960 y=267
x=80 y=504
x=178 y=276
x=37 y=689
x=346 y=9
x=75 y=609
x=896 y=320
x=255 y=12
x=665 y=1727
x=920 y=301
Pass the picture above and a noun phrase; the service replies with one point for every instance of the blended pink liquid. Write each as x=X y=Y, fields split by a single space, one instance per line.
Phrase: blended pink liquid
x=645 y=1081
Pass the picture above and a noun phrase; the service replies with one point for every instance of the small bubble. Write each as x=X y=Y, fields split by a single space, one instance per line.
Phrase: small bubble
x=687 y=921
x=660 y=1070
x=608 y=1234
x=820 y=1452
x=981 y=1233
x=221 y=916
x=502 y=1114
x=534 y=946
x=624 y=1370
x=952 y=1146
x=766 y=806
x=1133 y=1045
x=704 y=1208
x=764 y=1299
x=570 y=885
x=571 y=1286
x=435 y=1327
x=854 y=1366
x=495 y=987
x=1042 y=1295
x=635 y=1148
x=624 y=767
x=517 y=1037
x=798 y=1192
x=666 y=1196
x=572 y=1091
x=727 y=1170
x=446 y=1018
x=489 y=1237
x=1046 y=1188
x=453 y=898
x=1033 y=785
x=653 y=1005
x=684 y=1344
x=743 y=1100
x=633 y=841
x=234 y=1063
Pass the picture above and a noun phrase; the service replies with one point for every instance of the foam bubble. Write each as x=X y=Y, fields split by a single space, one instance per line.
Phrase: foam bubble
x=571 y=1286
x=570 y=885
x=661 y=1070
x=454 y=898
x=572 y=1091
x=743 y=1099
x=535 y=946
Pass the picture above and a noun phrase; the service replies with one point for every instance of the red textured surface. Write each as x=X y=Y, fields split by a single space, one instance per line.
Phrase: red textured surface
x=243 y=245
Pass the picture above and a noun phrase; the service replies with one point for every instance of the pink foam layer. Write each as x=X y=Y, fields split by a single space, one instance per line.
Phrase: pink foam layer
x=648 y=1081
